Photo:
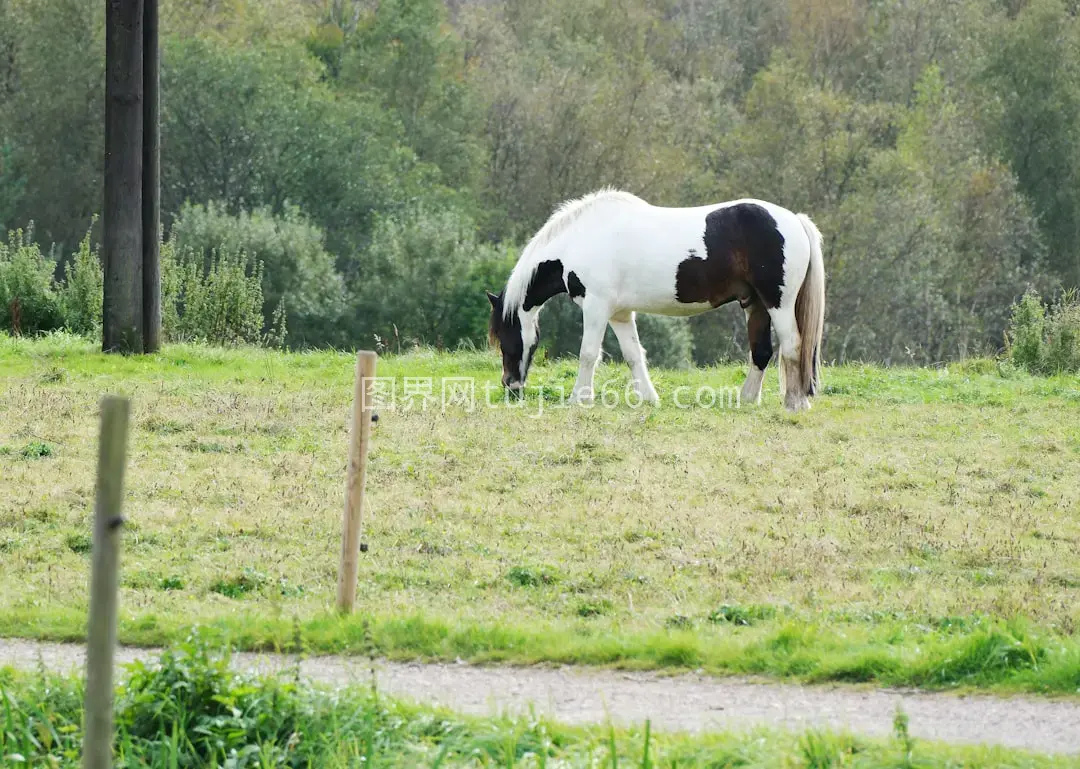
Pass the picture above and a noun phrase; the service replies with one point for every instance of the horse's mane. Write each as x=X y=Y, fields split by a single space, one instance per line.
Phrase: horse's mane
x=565 y=215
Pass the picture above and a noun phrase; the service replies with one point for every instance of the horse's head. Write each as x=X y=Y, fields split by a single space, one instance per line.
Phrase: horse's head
x=517 y=337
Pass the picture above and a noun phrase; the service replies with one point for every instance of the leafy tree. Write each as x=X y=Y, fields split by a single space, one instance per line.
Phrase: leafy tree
x=253 y=127
x=405 y=53
x=54 y=117
x=1031 y=82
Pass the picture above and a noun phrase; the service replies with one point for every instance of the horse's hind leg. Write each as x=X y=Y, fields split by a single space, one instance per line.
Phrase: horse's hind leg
x=625 y=328
x=787 y=333
x=759 y=332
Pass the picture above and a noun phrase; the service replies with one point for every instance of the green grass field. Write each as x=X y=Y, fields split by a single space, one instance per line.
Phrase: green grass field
x=918 y=526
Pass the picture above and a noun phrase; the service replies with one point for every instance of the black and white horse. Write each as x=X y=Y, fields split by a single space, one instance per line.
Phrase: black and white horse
x=617 y=255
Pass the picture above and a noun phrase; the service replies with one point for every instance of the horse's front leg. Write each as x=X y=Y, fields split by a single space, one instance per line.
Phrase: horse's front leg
x=594 y=321
x=625 y=328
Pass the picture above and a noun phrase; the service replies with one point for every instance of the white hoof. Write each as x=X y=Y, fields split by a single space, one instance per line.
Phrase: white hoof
x=750 y=394
x=581 y=398
x=797 y=404
x=647 y=396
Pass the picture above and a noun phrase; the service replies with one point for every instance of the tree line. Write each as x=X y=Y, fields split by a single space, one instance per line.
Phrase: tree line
x=371 y=166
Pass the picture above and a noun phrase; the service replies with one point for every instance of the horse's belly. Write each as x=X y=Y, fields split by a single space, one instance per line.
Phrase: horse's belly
x=653 y=291
x=673 y=308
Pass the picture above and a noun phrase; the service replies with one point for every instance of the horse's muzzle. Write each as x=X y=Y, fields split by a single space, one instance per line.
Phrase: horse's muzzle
x=513 y=387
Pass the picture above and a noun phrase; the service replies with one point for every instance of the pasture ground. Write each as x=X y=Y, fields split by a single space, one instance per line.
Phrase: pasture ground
x=918 y=526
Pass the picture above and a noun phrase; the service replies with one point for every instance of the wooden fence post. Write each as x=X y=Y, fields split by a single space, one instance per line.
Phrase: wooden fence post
x=359 y=434
x=101 y=629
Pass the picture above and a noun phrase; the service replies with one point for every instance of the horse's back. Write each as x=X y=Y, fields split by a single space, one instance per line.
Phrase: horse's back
x=632 y=253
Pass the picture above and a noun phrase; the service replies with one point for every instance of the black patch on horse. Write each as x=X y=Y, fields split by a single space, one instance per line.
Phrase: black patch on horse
x=744 y=256
x=545 y=283
x=574 y=286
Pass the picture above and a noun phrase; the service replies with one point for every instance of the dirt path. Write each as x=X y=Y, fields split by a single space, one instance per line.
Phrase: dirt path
x=683 y=703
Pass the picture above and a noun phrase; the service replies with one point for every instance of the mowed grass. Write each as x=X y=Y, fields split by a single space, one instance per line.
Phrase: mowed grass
x=918 y=526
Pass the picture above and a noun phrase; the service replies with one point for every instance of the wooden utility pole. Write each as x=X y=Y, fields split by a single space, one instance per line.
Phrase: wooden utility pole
x=151 y=181
x=131 y=310
x=359 y=435
x=122 y=309
x=104 y=579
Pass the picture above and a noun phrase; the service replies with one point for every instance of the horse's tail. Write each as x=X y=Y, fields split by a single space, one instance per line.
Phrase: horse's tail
x=810 y=311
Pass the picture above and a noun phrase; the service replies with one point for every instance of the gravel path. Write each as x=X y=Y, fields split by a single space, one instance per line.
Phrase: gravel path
x=685 y=703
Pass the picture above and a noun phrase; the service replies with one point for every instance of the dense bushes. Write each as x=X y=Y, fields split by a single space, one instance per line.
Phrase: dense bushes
x=216 y=298
x=28 y=296
x=423 y=280
x=1046 y=340
x=297 y=270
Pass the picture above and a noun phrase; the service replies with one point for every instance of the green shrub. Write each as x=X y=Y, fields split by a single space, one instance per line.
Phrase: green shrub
x=423 y=280
x=28 y=299
x=297 y=269
x=81 y=292
x=219 y=303
x=1045 y=340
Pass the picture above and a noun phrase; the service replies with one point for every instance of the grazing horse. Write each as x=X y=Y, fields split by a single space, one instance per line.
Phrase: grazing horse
x=616 y=255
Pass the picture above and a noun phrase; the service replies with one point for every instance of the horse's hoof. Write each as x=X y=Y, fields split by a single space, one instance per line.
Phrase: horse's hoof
x=798 y=406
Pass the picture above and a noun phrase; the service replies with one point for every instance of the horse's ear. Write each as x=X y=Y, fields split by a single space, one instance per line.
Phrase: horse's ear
x=492 y=298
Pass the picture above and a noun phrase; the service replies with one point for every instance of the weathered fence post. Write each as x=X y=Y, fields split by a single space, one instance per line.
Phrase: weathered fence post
x=101 y=628
x=359 y=433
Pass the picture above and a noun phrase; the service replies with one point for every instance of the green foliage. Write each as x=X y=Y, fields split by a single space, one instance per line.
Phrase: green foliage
x=297 y=269
x=742 y=615
x=1031 y=76
x=1046 y=341
x=1026 y=332
x=405 y=53
x=12 y=186
x=36 y=450
x=219 y=301
x=28 y=299
x=253 y=126
x=52 y=118
x=82 y=291
x=423 y=280
x=526 y=576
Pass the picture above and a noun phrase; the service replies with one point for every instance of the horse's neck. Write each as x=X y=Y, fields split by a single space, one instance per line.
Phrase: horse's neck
x=546 y=282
